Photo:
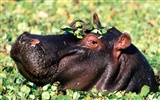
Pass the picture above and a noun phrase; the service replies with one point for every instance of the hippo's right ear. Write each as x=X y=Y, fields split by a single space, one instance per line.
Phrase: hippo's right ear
x=96 y=20
x=123 y=42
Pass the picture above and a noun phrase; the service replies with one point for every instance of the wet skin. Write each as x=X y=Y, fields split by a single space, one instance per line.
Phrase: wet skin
x=111 y=62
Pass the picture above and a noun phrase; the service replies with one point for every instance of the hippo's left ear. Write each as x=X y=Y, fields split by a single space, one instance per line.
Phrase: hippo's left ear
x=122 y=43
x=96 y=20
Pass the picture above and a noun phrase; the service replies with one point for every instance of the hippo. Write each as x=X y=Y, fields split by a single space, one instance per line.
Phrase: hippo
x=109 y=63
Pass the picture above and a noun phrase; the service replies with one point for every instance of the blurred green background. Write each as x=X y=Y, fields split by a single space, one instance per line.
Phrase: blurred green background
x=141 y=19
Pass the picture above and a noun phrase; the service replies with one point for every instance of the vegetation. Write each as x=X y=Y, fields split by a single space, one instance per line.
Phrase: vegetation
x=140 y=19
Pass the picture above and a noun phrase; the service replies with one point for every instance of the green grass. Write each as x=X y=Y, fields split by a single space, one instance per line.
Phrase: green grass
x=140 y=19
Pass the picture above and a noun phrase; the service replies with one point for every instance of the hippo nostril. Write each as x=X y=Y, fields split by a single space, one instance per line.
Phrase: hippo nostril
x=34 y=41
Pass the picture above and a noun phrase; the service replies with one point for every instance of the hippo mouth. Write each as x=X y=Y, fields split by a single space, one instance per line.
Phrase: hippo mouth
x=68 y=54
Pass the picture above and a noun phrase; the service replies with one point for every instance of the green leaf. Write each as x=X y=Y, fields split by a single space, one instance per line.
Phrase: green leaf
x=63 y=97
x=25 y=89
x=69 y=92
x=144 y=90
x=32 y=97
x=45 y=95
x=78 y=24
x=79 y=37
x=99 y=32
x=103 y=30
x=1 y=88
x=54 y=88
x=4 y=98
x=78 y=33
x=100 y=36
x=94 y=91
x=21 y=94
x=46 y=86
x=95 y=26
x=94 y=31
x=63 y=27
x=67 y=29
x=76 y=95
x=3 y=75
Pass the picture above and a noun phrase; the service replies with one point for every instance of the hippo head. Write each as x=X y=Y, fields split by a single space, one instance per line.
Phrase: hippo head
x=109 y=62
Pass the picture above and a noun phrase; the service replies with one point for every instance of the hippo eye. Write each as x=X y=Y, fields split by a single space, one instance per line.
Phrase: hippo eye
x=94 y=42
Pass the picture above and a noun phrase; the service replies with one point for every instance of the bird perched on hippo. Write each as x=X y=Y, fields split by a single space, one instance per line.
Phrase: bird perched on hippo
x=107 y=61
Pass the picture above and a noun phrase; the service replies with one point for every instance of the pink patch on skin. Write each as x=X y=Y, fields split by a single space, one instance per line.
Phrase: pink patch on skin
x=34 y=42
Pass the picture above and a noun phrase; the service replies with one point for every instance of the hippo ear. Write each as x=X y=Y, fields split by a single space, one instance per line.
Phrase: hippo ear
x=122 y=43
x=96 y=20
